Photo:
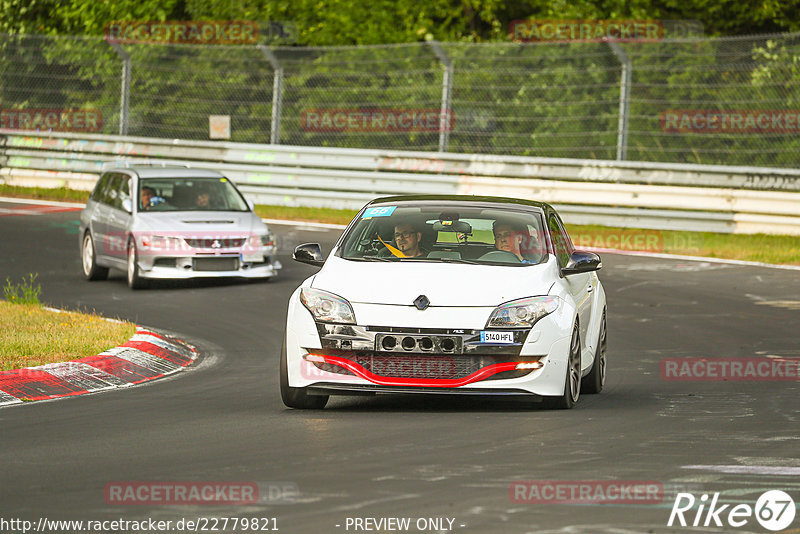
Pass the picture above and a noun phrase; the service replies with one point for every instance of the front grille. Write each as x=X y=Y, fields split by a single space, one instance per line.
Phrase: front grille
x=414 y=366
x=421 y=366
x=215 y=242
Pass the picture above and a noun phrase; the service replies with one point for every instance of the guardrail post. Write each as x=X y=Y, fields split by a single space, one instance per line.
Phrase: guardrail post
x=277 y=95
x=125 y=91
x=445 y=118
x=624 y=99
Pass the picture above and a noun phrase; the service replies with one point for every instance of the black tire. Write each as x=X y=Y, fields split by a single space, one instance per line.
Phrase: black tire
x=135 y=281
x=91 y=271
x=297 y=397
x=572 y=382
x=596 y=379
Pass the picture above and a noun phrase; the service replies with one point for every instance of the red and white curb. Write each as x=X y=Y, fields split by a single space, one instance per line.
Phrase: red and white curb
x=146 y=356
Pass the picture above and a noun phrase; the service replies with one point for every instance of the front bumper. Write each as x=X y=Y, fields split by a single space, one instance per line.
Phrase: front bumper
x=206 y=266
x=345 y=359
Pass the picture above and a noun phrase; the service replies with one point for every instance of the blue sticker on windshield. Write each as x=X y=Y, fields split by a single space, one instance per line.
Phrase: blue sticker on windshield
x=378 y=211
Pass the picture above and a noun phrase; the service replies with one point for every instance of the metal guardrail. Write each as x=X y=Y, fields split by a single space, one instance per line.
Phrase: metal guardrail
x=628 y=194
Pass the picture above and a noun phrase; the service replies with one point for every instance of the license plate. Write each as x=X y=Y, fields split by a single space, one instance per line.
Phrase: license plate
x=497 y=337
x=252 y=257
x=215 y=264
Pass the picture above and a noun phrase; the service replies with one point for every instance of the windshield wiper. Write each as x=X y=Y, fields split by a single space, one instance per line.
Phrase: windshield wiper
x=379 y=258
x=459 y=260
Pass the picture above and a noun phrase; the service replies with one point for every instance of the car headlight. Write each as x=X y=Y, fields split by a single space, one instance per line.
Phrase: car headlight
x=327 y=307
x=522 y=313
x=265 y=240
x=160 y=242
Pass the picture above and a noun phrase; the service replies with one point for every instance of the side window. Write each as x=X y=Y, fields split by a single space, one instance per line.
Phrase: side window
x=124 y=191
x=561 y=240
x=112 y=191
x=100 y=188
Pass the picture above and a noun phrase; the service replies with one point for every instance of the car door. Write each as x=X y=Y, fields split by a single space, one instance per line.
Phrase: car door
x=98 y=215
x=119 y=218
x=580 y=286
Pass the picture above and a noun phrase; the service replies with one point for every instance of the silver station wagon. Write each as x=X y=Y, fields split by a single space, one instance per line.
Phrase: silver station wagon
x=158 y=222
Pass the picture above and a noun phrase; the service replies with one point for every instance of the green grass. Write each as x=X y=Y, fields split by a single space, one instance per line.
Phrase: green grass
x=323 y=215
x=31 y=335
x=26 y=292
x=778 y=249
x=61 y=194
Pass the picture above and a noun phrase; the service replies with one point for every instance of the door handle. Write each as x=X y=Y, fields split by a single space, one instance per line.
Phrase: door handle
x=590 y=289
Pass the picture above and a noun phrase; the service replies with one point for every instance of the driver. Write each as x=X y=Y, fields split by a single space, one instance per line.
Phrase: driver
x=407 y=239
x=147 y=195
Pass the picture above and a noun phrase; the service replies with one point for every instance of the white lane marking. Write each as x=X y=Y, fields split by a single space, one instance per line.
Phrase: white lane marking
x=56 y=310
x=696 y=258
x=42 y=202
x=637 y=284
x=5 y=398
x=306 y=224
x=748 y=469
x=362 y=504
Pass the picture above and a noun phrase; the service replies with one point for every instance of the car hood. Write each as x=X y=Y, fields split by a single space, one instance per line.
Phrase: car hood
x=445 y=284
x=200 y=222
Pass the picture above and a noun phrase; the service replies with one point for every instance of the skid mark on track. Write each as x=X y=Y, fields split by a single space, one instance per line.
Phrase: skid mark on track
x=707 y=406
x=692 y=267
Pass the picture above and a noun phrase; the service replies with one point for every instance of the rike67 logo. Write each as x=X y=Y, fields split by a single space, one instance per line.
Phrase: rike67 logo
x=774 y=510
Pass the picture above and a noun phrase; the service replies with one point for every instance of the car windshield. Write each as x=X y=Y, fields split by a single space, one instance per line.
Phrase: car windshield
x=447 y=233
x=189 y=194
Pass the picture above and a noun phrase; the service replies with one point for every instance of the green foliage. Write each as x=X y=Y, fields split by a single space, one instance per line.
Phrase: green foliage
x=26 y=292
x=337 y=22
x=546 y=99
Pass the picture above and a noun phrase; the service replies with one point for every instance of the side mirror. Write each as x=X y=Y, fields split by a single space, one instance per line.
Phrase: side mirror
x=582 y=261
x=127 y=205
x=309 y=253
x=251 y=205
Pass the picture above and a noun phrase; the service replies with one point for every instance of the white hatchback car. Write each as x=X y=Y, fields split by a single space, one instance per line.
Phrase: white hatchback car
x=447 y=294
x=158 y=222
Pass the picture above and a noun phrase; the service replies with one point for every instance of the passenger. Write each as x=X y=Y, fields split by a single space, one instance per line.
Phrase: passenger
x=407 y=239
x=516 y=240
x=203 y=200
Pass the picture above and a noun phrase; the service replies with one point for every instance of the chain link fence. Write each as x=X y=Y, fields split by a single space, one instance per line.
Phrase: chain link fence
x=733 y=101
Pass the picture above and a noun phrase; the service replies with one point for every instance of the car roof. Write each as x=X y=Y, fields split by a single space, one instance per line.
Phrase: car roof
x=467 y=199
x=170 y=171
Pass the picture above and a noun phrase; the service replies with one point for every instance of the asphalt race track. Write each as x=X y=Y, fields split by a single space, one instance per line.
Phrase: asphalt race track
x=389 y=456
